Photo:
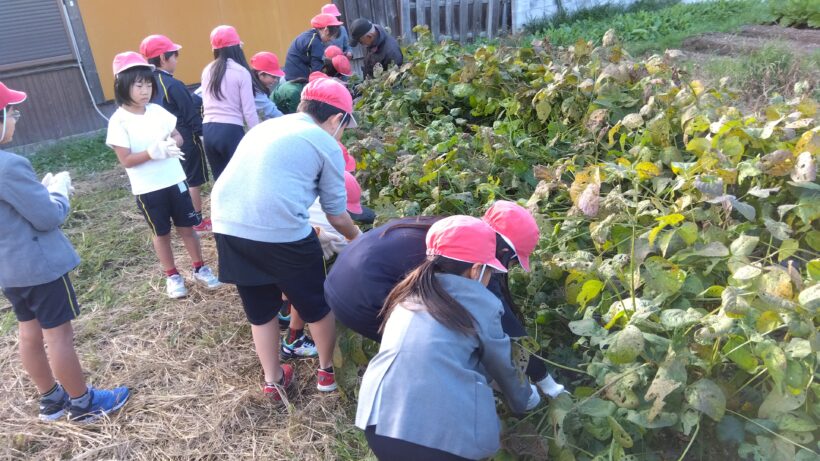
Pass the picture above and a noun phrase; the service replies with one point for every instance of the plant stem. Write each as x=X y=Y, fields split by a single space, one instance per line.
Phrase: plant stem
x=691 y=441
x=782 y=437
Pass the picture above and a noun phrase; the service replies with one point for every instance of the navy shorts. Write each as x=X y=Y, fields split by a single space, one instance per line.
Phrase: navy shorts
x=163 y=206
x=52 y=304
x=195 y=166
x=263 y=271
x=221 y=140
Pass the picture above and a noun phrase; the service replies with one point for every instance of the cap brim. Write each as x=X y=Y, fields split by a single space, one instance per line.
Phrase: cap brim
x=496 y=264
x=176 y=47
x=278 y=73
x=525 y=262
x=150 y=66
x=16 y=97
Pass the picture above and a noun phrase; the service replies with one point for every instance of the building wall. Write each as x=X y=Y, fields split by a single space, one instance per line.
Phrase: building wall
x=263 y=25
x=525 y=11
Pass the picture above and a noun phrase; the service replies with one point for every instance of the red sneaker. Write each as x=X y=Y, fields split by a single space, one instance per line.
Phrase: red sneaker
x=326 y=381
x=204 y=226
x=273 y=391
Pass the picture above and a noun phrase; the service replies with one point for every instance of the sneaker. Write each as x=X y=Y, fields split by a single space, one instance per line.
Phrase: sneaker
x=326 y=381
x=52 y=410
x=284 y=320
x=205 y=276
x=204 y=226
x=301 y=348
x=101 y=403
x=272 y=391
x=175 y=287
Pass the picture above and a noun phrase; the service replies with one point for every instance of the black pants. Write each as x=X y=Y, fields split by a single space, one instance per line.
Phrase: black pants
x=389 y=449
x=221 y=140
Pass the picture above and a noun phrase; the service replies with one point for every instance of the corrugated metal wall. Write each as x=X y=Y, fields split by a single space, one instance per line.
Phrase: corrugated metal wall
x=115 y=26
x=32 y=30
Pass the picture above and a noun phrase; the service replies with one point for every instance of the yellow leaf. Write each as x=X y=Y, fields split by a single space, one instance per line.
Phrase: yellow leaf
x=810 y=141
x=697 y=87
x=671 y=219
x=647 y=170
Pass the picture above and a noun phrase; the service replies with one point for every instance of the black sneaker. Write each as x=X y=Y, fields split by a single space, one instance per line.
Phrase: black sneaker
x=52 y=410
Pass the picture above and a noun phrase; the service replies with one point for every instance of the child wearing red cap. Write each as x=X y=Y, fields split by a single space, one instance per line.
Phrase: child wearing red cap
x=267 y=73
x=146 y=142
x=306 y=52
x=343 y=40
x=363 y=275
x=35 y=259
x=227 y=98
x=265 y=242
x=174 y=97
x=442 y=324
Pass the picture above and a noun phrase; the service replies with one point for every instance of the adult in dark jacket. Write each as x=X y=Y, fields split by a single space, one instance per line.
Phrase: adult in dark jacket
x=307 y=51
x=380 y=47
x=371 y=266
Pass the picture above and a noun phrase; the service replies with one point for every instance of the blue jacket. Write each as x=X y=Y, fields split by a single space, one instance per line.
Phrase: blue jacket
x=33 y=249
x=174 y=97
x=428 y=384
x=343 y=40
x=305 y=55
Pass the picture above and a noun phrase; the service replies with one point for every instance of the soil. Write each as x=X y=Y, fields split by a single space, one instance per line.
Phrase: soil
x=799 y=42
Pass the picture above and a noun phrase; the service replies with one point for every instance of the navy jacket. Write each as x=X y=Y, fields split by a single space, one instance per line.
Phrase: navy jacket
x=371 y=265
x=305 y=55
x=174 y=97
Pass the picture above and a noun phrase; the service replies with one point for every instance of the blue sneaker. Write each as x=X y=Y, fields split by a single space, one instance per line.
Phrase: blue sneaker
x=53 y=409
x=302 y=347
x=101 y=403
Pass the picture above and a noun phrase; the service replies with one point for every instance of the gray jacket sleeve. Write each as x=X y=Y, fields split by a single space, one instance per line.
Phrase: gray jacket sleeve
x=21 y=189
x=497 y=360
x=332 y=193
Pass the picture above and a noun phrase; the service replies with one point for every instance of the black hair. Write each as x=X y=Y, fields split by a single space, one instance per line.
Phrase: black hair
x=321 y=111
x=422 y=284
x=220 y=65
x=335 y=31
x=127 y=78
x=258 y=86
x=328 y=69
x=156 y=61
x=505 y=254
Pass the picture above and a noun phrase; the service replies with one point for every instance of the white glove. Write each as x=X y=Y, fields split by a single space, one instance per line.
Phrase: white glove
x=550 y=387
x=61 y=184
x=534 y=399
x=47 y=179
x=331 y=243
x=167 y=148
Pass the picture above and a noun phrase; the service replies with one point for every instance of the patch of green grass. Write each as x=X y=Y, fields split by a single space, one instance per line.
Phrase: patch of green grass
x=647 y=28
x=602 y=12
x=79 y=156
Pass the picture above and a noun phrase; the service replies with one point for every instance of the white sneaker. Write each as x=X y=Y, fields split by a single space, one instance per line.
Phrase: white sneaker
x=206 y=277
x=175 y=287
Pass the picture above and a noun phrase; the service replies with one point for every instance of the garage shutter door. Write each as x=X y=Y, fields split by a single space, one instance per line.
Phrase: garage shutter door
x=32 y=30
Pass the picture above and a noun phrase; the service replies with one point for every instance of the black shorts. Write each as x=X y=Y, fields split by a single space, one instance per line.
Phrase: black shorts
x=52 y=304
x=263 y=271
x=165 y=205
x=195 y=166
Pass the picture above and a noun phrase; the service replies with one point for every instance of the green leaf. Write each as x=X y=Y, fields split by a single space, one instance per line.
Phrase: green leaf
x=740 y=354
x=596 y=407
x=779 y=402
x=798 y=348
x=810 y=298
x=712 y=250
x=589 y=291
x=688 y=231
x=625 y=345
x=587 y=327
x=774 y=360
x=641 y=419
x=663 y=276
x=679 y=318
x=779 y=230
x=813 y=270
x=813 y=239
x=733 y=303
x=707 y=397
x=744 y=245
x=730 y=430
x=787 y=249
x=792 y=423
x=463 y=90
x=699 y=146
x=619 y=434
x=747 y=272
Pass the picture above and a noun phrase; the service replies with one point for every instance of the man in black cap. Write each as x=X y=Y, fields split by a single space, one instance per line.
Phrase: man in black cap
x=380 y=47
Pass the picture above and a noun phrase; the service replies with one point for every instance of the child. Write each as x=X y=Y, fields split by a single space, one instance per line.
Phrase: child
x=287 y=95
x=307 y=50
x=227 y=98
x=343 y=40
x=443 y=325
x=145 y=139
x=266 y=74
x=162 y=53
x=35 y=258
x=336 y=64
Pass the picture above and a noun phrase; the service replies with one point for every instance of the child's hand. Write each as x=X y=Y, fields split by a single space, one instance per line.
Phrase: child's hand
x=61 y=184
x=164 y=149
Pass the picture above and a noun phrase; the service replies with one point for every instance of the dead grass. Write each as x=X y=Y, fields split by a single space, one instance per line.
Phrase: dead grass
x=195 y=378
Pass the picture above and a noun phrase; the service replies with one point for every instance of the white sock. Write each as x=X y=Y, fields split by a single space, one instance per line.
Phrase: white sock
x=549 y=387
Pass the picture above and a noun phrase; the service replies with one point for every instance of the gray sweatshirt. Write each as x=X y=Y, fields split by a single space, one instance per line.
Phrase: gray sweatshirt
x=276 y=173
x=33 y=249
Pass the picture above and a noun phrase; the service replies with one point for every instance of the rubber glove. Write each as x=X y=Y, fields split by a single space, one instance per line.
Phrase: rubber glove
x=47 y=179
x=331 y=243
x=61 y=184
x=534 y=399
x=167 y=148
x=549 y=387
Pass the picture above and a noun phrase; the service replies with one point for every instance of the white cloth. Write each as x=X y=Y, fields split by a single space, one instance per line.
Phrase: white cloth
x=332 y=241
x=136 y=132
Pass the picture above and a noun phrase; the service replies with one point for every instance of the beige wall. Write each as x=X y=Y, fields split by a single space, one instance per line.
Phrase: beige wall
x=264 y=25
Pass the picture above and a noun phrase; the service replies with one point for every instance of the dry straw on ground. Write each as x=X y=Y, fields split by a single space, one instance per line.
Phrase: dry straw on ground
x=193 y=373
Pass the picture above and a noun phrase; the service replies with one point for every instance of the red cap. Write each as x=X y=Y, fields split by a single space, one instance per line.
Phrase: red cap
x=224 y=36
x=463 y=238
x=354 y=194
x=9 y=96
x=342 y=65
x=129 y=59
x=350 y=162
x=517 y=226
x=332 y=51
x=316 y=74
x=320 y=21
x=331 y=9
x=267 y=62
x=155 y=45
x=330 y=91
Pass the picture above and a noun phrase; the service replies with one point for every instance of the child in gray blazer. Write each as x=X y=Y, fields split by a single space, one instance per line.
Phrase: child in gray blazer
x=35 y=258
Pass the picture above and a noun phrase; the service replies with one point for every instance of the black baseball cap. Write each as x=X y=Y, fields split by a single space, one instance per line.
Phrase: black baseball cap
x=358 y=28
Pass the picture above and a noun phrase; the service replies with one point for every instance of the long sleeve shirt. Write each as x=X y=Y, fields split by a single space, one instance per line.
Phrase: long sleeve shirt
x=305 y=55
x=237 y=105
